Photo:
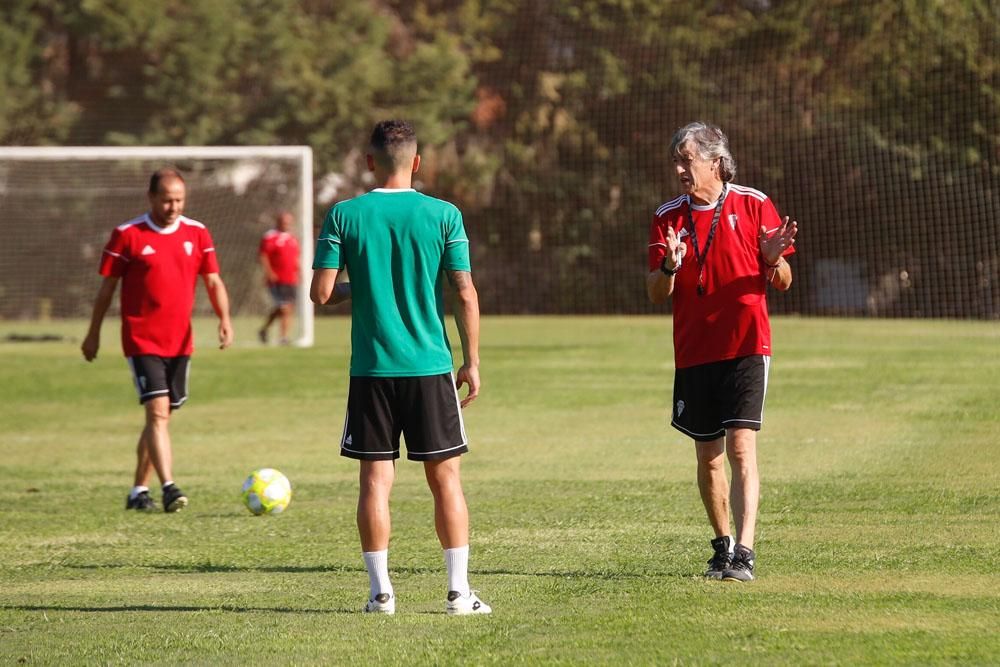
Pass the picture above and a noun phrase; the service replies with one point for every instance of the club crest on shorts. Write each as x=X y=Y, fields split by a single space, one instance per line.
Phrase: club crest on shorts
x=680 y=408
x=188 y=247
x=733 y=219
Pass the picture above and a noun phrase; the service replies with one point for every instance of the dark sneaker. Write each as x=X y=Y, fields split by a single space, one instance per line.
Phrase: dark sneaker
x=142 y=502
x=262 y=335
x=174 y=499
x=722 y=558
x=741 y=568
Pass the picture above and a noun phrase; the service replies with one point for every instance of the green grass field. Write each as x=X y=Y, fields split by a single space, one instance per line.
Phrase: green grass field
x=880 y=461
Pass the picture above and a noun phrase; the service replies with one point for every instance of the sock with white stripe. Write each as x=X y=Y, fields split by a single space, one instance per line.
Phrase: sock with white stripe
x=136 y=490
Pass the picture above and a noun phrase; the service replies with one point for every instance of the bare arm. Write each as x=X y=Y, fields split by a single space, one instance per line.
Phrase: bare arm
x=779 y=273
x=322 y=287
x=92 y=341
x=269 y=275
x=659 y=285
x=780 y=276
x=466 y=306
x=219 y=297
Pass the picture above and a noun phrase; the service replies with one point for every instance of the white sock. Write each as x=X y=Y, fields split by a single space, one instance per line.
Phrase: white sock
x=136 y=490
x=457 y=562
x=377 y=564
x=166 y=484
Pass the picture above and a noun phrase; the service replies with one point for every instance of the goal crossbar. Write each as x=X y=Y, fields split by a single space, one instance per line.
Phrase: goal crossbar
x=302 y=154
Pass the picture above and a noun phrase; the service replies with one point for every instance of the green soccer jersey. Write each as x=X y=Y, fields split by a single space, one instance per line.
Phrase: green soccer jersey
x=395 y=245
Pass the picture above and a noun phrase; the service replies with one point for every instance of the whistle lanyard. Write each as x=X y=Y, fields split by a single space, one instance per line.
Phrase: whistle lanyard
x=700 y=257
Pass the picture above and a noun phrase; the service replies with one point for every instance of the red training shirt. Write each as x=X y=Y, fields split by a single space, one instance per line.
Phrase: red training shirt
x=282 y=251
x=730 y=320
x=159 y=268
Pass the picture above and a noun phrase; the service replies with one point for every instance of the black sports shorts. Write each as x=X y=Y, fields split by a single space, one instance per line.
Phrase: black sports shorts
x=710 y=398
x=425 y=410
x=282 y=293
x=156 y=376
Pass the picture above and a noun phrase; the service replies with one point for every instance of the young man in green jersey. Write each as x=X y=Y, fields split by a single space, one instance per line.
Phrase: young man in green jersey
x=398 y=246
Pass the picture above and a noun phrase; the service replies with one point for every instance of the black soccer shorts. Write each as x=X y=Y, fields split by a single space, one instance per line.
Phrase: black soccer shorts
x=709 y=398
x=424 y=410
x=157 y=376
x=282 y=293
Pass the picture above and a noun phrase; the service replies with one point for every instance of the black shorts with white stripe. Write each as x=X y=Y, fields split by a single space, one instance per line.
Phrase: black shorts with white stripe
x=161 y=376
x=709 y=398
x=424 y=410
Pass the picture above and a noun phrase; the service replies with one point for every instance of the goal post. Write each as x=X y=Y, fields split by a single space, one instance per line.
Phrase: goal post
x=59 y=204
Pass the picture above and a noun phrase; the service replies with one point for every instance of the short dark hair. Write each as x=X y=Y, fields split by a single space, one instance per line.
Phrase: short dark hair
x=393 y=142
x=159 y=175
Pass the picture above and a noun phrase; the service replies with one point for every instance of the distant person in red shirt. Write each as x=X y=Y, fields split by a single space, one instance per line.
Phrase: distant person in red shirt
x=279 y=257
x=158 y=258
x=714 y=250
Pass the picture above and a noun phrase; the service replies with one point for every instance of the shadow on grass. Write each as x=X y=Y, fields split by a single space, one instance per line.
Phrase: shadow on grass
x=175 y=608
x=192 y=608
x=606 y=575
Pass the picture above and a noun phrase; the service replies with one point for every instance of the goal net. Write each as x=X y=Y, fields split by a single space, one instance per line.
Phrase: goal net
x=58 y=206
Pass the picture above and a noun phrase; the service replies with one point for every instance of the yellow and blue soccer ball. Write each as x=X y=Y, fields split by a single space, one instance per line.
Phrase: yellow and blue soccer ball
x=267 y=491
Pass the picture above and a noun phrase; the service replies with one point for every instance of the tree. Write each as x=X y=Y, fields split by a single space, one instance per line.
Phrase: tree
x=223 y=71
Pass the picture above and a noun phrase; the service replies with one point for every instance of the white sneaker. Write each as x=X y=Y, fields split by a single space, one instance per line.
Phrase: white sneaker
x=460 y=605
x=383 y=603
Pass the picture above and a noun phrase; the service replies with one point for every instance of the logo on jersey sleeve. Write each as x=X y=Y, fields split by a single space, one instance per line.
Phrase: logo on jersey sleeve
x=148 y=250
x=188 y=247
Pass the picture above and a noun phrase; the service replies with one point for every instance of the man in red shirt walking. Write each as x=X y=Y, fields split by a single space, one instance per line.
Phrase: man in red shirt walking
x=279 y=257
x=158 y=257
x=714 y=250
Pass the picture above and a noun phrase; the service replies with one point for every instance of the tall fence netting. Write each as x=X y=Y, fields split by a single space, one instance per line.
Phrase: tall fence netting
x=891 y=165
x=876 y=125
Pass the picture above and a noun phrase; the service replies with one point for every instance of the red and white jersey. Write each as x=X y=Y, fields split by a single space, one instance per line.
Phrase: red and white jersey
x=730 y=319
x=282 y=252
x=159 y=268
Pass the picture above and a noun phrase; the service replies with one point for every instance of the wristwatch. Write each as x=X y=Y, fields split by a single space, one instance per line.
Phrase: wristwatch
x=669 y=272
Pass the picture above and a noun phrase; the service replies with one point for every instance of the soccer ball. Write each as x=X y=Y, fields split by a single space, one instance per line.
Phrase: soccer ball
x=266 y=491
